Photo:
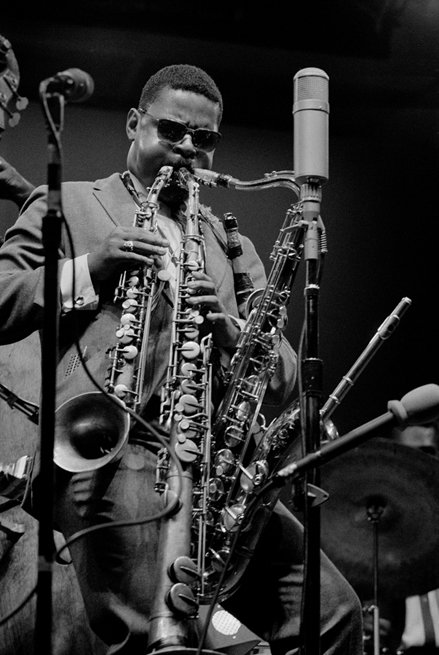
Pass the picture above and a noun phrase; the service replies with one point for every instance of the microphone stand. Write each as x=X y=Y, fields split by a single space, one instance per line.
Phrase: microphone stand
x=310 y=196
x=51 y=233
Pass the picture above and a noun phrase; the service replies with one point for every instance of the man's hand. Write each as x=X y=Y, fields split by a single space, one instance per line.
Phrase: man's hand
x=124 y=248
x=13 y=186
x=203 y=292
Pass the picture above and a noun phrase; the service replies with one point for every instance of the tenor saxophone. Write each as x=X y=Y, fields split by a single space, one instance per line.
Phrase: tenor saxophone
x=237 y=474
x=92 y=428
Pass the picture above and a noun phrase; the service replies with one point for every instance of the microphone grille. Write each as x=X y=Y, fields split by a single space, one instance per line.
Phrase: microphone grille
x=311 y=83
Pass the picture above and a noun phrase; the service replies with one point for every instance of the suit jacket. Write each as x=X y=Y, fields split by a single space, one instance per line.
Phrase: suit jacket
x=91 y=211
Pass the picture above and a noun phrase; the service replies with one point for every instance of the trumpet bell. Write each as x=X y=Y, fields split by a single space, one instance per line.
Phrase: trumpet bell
x=90 y=432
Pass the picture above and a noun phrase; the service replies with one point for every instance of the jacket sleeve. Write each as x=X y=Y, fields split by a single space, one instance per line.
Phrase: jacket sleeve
x=22 y=272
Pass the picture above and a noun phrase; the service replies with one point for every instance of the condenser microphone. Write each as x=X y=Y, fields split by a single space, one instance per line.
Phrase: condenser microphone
x=311 y=126
x=74 y=84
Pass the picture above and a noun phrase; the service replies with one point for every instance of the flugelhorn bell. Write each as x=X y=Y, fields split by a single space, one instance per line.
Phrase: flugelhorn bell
x=90 y=431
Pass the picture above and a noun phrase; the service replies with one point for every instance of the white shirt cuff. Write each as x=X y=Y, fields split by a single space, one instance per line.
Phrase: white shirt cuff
x=85 y=294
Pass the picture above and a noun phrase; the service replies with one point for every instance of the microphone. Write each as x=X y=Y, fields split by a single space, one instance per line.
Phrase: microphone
x=421 y=405
x=311 y=119
x=74 y=84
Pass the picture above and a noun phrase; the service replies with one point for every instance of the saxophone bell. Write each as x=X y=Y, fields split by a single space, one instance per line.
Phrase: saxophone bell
x=91 y=430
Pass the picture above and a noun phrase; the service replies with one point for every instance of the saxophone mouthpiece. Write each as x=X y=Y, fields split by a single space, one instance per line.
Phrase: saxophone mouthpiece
x=212 y=179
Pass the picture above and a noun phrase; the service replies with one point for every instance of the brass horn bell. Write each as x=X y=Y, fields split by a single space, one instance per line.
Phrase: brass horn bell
x=90 y=431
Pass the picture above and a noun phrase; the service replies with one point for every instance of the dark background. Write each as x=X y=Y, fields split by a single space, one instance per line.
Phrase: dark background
x=379 y=206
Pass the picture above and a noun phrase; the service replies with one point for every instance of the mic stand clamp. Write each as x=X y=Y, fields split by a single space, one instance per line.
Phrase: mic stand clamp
x=314 y=496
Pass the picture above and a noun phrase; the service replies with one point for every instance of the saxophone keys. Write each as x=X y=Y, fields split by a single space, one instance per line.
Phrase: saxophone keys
x=231 y=517
x=233 y=436
x=130 y=352
x=187 y=452
x=216 y=489
x=224 y=461
x=180 y=599
x=121 y=390
x=184 y=569
x=125 y=334
x=188 y=369
x=184 y=424
x=128 y=319
x=132 y=292
x=133 y=281
x=191 y=333
x=196 y=317
x=187 y=404
x=189 y=386
x=130 y=305
x=190 y=350
x=181 y=437
x=219 y=558
x=243 y=410
x=191 y=428
x=282 y=319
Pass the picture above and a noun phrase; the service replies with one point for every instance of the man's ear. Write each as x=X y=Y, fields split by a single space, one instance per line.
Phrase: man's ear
x=132 y=123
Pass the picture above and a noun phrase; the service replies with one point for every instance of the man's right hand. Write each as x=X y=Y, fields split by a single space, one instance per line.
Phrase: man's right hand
x=125 y=247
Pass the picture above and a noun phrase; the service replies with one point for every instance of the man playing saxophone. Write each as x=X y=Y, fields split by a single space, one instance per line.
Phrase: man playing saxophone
x=175 y=125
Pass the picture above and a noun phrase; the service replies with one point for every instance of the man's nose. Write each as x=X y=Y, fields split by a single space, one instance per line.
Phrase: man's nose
x=186 y=146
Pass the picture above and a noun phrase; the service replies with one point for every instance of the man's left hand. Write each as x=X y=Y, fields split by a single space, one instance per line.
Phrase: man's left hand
x=225 y=332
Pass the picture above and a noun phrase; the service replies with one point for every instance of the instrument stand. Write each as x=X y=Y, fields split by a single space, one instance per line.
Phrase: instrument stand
x=375 y=510
x=54 y=110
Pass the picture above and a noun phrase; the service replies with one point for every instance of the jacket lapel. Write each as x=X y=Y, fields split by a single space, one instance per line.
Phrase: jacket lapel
x=115 y=200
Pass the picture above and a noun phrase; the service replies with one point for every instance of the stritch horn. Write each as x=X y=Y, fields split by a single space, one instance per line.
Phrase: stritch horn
x=92 y=428
x=90 y=431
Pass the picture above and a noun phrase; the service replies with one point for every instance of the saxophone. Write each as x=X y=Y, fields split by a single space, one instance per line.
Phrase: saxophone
x=237 y=475
x=185 y=413
x=92 y=428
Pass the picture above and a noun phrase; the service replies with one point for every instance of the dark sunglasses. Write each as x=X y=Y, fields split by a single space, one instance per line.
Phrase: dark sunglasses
x=174 y=132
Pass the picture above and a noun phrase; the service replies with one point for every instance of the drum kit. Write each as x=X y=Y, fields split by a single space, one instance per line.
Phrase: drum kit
x=380 y=523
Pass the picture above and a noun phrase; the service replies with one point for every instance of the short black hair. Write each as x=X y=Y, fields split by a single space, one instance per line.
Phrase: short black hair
x=181 y=76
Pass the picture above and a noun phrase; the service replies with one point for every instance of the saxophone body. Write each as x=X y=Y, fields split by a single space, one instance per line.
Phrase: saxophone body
x=238 y=468
x=185 y=413
x=92 y=428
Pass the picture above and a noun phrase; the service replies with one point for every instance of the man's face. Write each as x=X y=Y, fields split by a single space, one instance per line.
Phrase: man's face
x=149 y=151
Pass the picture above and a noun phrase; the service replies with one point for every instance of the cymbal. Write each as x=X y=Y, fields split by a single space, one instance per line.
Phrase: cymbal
x=403 y=484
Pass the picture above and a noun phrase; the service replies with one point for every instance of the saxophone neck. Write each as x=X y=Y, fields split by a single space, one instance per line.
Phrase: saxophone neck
x=274 y=179
x=151 y=205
